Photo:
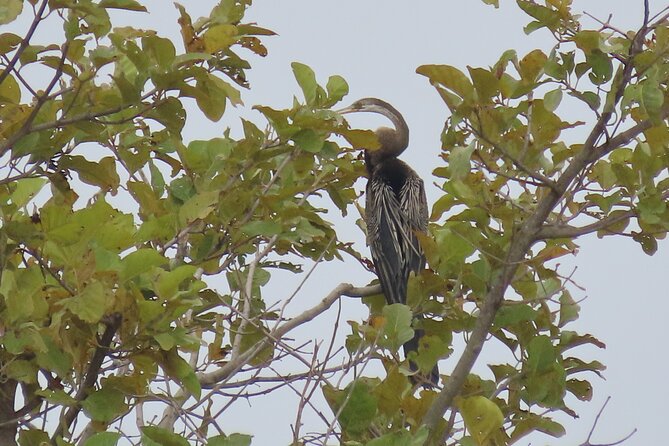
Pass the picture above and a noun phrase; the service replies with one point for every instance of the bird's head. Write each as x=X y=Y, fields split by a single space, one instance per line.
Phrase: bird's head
x=369 y=105
x=392 y=141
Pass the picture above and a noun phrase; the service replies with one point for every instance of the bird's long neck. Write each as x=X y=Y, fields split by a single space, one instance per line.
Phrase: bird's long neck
x=392 y=141
x=400 y=137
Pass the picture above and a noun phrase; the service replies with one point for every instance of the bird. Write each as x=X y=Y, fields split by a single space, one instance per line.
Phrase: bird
x=395 y=210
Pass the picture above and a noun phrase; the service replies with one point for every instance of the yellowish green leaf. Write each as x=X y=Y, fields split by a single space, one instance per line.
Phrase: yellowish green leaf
x=10 y=10
x=482 y=417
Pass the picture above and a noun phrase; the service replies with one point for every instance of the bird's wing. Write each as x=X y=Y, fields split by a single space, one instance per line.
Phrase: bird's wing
x=413 y=204
x=386 y=226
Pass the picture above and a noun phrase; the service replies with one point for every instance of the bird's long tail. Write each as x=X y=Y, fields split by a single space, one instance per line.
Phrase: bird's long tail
x=412 y=346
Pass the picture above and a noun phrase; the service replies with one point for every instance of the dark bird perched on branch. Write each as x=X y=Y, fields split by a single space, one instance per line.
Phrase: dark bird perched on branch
x=395 y=209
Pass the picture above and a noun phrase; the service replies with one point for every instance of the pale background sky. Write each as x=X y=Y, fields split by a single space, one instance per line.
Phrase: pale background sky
x=377 y=45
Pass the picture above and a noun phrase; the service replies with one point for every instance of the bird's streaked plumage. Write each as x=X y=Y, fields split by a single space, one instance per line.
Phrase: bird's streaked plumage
x=395 y=210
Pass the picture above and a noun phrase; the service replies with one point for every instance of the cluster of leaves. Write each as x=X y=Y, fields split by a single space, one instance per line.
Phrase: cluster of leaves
x=120 y=274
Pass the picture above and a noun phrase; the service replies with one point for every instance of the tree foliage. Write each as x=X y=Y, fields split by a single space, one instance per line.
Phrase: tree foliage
x=114 y=227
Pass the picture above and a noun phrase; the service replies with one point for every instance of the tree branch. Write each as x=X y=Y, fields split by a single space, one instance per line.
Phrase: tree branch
x=91 y=376
x=521 y=243
x=62 y=122
x=8 y=419
x=594 y=426
x=209 y=380
x=625 y=137
x=25 y=42
x=538 y=177
x=568 y=231
x=215 y=379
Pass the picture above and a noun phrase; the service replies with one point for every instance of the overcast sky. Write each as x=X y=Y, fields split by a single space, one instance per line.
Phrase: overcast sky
x=377 y=45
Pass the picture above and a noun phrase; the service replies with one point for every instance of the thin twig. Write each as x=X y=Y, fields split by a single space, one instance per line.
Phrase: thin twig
x=25 y=42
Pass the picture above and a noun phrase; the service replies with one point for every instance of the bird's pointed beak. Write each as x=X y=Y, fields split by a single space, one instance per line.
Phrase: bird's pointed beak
x=345 y=110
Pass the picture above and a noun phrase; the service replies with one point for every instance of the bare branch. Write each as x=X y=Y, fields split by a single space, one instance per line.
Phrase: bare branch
x=216 y=379
x=25 y=42
x=587 y=442
x=567 y=231
x=208 y=380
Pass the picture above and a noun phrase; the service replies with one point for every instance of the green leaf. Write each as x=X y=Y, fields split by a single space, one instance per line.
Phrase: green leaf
x=177 y=368
x=485 y=82
x=361 y=139
x=309 y=141
x=8 y=42
x=548 y=387
x=431 y=349
x=129 y=5
x=360 y=405
x=306 y=79
x=26 y=189
x=652 y=98
x=532 y=65
x=482 y=417
x=198 y=207
x=10 y=90
x=530 y=422
x=157 y=436
x=211 y=94
x=182 y=188
x=591 y=98
x=104 y=405
x=220 y=37
x=10 y=10
x=103 y=439
x=581 y=389
x=54 y=358
x=265 y=228
x=541 y=354
x=141 y=261
x=552 y=99
x=90 y=304
x=459 y=161
x=397 y=327
x=513 y=314
x=33 y=437
x=337 y=88
x=602 y=67
x=544 y=16
x=230 y=440
x=588 y=40
x=101 y=173
x=568 y=309
x=647 y=242
x=21 y=370
x=449 y=77
x=159 y=50
x=168 y=282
